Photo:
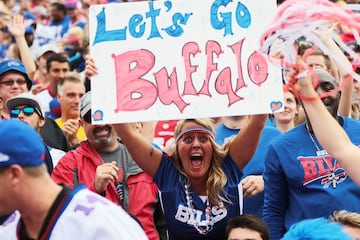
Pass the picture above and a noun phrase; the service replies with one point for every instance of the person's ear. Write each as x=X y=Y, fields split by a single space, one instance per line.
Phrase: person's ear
x=15 y=174
x=41 y=122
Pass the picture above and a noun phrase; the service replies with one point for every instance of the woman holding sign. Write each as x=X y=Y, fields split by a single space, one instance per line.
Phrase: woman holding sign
x=199 y=182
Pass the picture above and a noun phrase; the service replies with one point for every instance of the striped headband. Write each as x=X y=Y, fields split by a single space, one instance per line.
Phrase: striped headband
x=194 y=129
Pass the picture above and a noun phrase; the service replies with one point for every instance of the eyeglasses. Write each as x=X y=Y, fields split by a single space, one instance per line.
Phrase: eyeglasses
x=28 y=111
x=11 y=82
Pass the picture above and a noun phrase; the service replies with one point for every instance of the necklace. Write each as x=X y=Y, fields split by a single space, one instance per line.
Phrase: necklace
x=332 y=176
x=208 y=218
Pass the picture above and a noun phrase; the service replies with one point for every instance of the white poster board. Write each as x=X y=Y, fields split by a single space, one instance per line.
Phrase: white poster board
x=162 y=60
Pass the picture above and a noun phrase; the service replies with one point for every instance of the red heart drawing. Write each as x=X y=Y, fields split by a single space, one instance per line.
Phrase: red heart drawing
x=98 y=115
x=276 y=105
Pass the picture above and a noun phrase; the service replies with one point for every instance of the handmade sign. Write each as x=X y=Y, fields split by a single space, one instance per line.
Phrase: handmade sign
x=161 y=60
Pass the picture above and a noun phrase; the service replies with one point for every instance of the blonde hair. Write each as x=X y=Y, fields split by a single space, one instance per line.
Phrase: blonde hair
x=346 y=218
x=216 y=177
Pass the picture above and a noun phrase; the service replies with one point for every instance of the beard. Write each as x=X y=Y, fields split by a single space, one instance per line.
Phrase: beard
x=102 y=135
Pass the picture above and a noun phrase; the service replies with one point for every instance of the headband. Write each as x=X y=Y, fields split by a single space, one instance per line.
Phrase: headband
x=194 y=129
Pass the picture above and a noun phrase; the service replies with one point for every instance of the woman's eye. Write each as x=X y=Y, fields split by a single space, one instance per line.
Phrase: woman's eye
x=188 y=139
x=203 y=139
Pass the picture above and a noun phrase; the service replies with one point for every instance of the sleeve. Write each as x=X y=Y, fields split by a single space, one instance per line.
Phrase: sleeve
x=142 y=201
x=275 y=195
x=66 y=171
x=128 y=164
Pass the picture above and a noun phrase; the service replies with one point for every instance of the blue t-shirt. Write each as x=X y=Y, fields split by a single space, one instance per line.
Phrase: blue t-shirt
x=297 y=183
x=171 y=184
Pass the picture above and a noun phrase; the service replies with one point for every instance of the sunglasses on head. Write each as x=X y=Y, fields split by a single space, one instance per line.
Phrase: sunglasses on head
x=28 y=111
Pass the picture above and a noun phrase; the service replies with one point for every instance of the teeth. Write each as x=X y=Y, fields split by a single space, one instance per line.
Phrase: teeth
x=196 y=155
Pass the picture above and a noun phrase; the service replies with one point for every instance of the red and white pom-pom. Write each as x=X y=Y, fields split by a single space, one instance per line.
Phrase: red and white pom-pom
x=306 y=19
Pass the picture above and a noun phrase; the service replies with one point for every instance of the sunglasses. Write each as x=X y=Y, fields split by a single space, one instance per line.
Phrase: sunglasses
x=12 y=82
x=28 y=111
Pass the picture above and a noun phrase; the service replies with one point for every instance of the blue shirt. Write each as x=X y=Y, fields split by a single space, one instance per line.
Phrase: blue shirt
x=171 y=184
x=297 y=182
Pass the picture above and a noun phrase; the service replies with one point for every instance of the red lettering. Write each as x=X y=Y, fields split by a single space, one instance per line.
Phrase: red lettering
x=169 y=89
x=257 y=68
x=310 y=169
x=134 y=92
x=130 y=87
x=236 y=48
x=211 y=48
x=189 y=48
x=325 y=164
x=223 y=86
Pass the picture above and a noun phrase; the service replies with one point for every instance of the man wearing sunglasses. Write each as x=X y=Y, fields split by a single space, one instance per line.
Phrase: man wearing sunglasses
x=105 y=166
x=26 y=108
x=13 y=81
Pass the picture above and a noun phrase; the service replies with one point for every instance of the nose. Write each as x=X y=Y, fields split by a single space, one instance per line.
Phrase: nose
x=286 y=105
x=16 y=85
x=196 y=142
x=21 y=115
x=61 y=74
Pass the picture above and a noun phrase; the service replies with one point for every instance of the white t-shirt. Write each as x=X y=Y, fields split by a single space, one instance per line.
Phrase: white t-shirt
x=83 y=214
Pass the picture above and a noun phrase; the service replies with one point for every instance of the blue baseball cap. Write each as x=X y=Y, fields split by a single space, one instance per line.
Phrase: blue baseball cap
x=20 y=144
x=29 y=30
x=15 y=65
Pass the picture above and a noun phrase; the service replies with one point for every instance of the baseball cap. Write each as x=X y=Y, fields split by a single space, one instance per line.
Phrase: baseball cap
x=47 y=48
x=20 y=144
x=324 y=75
x=85 y=104
x=25 y=99
x=15 y=66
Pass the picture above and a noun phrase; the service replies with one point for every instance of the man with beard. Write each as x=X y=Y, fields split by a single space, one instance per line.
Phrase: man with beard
x=105 y=166
x=302 y=180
